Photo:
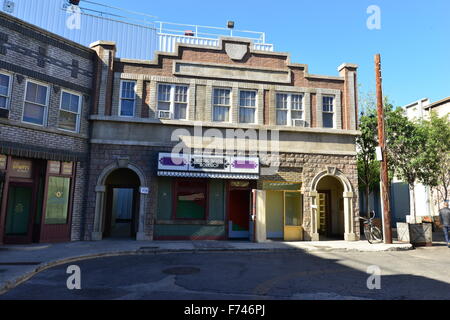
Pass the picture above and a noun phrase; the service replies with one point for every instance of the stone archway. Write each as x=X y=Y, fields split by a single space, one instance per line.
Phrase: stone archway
x=348 y=195
x=100 y=199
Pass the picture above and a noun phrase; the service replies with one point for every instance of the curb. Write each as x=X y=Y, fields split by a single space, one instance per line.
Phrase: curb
x=11 y=284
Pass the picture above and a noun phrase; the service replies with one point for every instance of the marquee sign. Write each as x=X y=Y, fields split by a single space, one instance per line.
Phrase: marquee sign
x=208 y=163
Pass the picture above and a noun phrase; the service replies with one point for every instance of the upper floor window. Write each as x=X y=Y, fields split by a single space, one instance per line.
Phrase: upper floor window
x=36 y=102
x=221 y=105
x=127 y=98
x=247 y=106
x=328 y=112
x=289 y=109
x=172 y=101
x=69 y=112
x=5 y=89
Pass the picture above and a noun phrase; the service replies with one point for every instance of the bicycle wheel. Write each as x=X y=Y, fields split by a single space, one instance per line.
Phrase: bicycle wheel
x=376 y=234
x=368 y=234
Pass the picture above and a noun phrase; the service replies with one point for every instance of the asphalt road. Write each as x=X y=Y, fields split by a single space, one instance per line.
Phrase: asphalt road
x=418 y=274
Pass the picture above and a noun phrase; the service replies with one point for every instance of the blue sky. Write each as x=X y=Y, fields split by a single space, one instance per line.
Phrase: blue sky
x=414 y=40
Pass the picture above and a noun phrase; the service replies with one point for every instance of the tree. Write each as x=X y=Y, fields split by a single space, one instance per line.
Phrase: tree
x=366 y=143
x=368 y=167
x=437 y=154
x=407 y=154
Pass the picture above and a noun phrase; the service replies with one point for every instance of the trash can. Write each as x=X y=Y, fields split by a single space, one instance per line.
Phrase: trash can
x=418 y=234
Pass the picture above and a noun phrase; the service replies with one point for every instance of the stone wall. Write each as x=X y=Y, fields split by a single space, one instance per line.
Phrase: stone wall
x=294 y=167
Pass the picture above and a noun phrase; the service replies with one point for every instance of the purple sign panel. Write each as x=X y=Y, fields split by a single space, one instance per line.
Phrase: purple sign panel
x=208 y=163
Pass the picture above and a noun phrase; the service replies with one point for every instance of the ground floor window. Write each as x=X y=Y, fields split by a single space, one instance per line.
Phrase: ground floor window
x=57 y=200
x=191 y=199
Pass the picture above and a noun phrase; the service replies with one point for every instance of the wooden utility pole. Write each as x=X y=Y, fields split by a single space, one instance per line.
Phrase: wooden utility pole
x=387 y=230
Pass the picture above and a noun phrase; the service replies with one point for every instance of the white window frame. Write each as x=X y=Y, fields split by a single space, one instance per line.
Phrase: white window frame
x=44 y=120
x=230 y=106
x=80 y=104
x=255 y=108
x=8 y=97
x=172 y=101
x=332 y=112
x=121 y=98
x=289 y=107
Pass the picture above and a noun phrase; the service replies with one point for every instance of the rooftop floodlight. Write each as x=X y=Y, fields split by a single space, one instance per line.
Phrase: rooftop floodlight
x=230 y=24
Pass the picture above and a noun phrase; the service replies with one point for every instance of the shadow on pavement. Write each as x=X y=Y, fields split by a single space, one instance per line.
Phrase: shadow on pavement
x=231 y=276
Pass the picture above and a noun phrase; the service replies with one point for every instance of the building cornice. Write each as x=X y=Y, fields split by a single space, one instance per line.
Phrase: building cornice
x=223 y=125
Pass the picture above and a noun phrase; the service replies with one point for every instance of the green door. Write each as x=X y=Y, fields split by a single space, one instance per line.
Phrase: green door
x=18 y=214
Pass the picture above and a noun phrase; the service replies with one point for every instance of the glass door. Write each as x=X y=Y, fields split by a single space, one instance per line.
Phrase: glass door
x=293 y=215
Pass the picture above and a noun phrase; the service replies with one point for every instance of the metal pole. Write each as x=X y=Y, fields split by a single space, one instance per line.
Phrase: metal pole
x=387 y=230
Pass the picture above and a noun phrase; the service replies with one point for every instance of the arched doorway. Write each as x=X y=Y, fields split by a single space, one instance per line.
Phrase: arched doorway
x=331 y=192
x=122 y=204
x=124 y=176
x=330 y=211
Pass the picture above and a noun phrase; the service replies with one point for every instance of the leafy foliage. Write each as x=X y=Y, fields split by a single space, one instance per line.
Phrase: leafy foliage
x=437 y=154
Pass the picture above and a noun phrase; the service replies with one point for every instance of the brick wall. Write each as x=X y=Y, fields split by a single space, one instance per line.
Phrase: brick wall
x=30 y=53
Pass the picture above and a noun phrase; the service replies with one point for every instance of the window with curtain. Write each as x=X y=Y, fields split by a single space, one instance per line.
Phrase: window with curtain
x=247 y=106
x=221 y=105
x=58 y=194
x=328 y=112
x=36 y=101
x=127 y=98
x=5 y=85
x=191 y=199
x=69 y=112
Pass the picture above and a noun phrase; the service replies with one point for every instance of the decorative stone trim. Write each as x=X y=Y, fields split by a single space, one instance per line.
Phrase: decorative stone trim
x=43 y=77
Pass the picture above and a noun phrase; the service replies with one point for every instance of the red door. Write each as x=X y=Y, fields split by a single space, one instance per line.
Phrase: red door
x=239 y=213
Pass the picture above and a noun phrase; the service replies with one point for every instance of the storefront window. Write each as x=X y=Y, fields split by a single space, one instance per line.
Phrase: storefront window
x=293 y=208
x=191 y=199
x=57 y=200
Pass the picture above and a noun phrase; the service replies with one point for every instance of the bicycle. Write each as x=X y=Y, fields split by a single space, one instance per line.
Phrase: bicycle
x=371 y=231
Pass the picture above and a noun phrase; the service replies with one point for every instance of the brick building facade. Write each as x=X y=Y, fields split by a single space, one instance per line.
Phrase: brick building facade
x=300 y=131
x=90 y=143
x=46 y=88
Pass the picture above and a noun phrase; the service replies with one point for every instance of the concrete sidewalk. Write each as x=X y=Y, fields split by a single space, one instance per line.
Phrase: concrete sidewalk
x=20 y=262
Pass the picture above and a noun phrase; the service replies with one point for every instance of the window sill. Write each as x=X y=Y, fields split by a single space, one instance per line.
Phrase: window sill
x=41 y=128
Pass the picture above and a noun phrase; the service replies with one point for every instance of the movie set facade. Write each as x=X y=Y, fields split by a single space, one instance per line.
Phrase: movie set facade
x=45 y=89
x=88 y=143
x=302 y=125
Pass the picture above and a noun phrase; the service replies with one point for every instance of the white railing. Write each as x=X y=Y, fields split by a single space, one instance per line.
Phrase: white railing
x=170 y=34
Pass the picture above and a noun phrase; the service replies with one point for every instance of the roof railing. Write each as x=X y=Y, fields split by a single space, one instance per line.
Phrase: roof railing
x=208 y=31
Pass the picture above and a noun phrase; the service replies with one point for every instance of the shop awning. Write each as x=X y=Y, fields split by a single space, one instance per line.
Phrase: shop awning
x=210 y=175
x=36 y=152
